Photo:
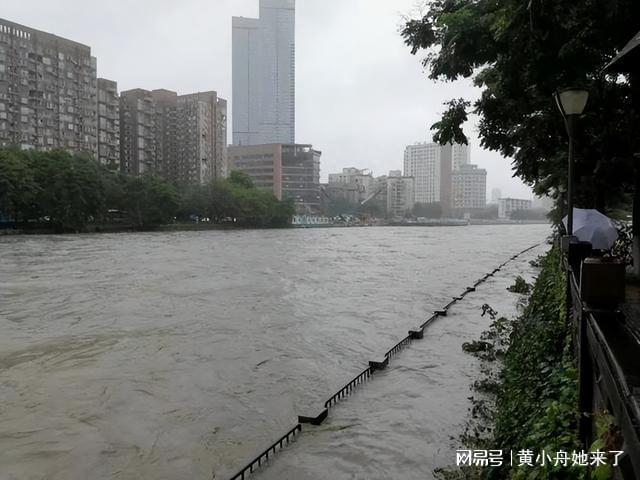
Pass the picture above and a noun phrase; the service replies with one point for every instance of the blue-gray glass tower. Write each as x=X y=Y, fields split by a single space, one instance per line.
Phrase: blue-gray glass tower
x=264 y=75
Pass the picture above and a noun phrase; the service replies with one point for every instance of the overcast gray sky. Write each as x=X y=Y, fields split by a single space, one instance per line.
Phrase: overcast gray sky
x=360 y=95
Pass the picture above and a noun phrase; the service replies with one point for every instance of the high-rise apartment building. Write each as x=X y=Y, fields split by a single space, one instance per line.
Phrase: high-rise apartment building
x=201 y=138
x=289 y=171
x=137 y=133
x=469 y=187
x=264 y=75
x=460 y=155
x=48 y=91
x=179 y=137
x=422 y=161
x=108 y=124
x=432 y=167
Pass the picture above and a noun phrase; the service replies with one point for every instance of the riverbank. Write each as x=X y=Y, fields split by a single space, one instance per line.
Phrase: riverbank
x=204 y=226
x=527 y=398
x=117 y=228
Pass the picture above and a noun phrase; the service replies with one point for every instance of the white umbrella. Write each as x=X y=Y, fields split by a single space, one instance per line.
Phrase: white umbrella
x=592 y=226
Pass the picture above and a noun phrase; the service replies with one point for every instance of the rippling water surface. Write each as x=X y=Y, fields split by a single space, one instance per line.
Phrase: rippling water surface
x=174 y=356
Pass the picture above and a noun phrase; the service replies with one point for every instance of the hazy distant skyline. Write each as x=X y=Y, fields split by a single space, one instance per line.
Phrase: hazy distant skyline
x=361 y=97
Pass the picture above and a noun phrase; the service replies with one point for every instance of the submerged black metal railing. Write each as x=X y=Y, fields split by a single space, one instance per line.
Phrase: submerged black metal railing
x=348 y=388
x=368 y=372
x=264 y=456
x=398 y=346
x=429 y=321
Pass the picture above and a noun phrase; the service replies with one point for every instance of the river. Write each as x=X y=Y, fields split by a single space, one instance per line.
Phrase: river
x=182 y=355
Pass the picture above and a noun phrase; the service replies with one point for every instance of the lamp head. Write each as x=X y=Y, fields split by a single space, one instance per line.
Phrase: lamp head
x=571 y=101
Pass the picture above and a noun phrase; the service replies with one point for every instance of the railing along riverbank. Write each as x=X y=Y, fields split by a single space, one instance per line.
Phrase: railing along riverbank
x=366 y=375
x=607 y=355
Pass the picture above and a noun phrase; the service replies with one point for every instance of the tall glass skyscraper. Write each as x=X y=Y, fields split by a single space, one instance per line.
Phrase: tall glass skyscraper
x=264 y=75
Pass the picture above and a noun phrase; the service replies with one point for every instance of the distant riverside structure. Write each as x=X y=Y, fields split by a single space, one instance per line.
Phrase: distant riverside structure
x=506 y=206
x=48 y=91
x=50 y=97
x=496 y=195
x=288 y=170
x=400 y=194
x=264 y=75
x=469 y=186
x=352 y=185
x=179 y=137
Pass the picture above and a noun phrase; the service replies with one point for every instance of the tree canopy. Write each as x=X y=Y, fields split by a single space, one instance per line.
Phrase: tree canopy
x=520 y=53
x=67 y=192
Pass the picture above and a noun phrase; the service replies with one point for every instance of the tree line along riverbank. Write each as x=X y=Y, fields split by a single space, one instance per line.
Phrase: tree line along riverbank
x=61 y=192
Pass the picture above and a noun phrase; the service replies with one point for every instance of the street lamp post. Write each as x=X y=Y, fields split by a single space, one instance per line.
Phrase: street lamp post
x=571 y=103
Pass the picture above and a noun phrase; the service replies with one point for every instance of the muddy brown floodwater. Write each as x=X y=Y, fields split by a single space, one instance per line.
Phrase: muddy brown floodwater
x=182 y=355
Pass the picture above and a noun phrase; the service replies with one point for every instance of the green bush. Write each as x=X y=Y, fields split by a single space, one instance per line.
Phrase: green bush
x=536 y=407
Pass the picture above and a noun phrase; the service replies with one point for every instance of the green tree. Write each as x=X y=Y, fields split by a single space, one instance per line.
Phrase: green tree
x=519 y=53
x=240 y=179
x=71 y=193
x=150 y=201
x=18 y=187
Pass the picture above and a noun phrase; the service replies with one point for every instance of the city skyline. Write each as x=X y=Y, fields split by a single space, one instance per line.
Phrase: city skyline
x=357 y=112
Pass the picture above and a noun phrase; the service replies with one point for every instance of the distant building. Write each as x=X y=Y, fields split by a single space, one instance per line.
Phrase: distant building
x=50 y=97
x=263 y=163
x=264 y=75
x=400 y=195
x=469 y=185
x=431 y=165
x=378 y=195
x=179 y=137
x=353 y=176
x=352 y=185
x=422 y=161
x=108 y=124
x=48 y=91
x=137 y=133
x=506 y=206
x=496 y=195
x=460 y=155
x=291 y=171
x=301 y=176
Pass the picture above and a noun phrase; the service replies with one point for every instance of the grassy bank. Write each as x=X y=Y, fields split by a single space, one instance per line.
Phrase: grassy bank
x=528 y=396
x=536 y=405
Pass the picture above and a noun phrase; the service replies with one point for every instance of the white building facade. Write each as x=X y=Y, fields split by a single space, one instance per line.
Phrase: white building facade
x=264 y=75
x=469 y=186
x=460 y=155
x=422 y=161
x=400 y=195
x=506 y=206
x=353 y=176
